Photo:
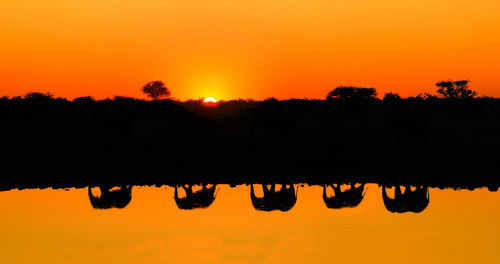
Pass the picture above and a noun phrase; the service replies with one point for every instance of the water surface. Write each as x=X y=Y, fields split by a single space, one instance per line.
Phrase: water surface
x=62 y=226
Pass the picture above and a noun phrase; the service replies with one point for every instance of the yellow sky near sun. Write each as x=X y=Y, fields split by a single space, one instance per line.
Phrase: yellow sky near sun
x=246 y=49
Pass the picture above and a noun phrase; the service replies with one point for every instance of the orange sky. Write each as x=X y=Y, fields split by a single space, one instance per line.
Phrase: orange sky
x=246 y=49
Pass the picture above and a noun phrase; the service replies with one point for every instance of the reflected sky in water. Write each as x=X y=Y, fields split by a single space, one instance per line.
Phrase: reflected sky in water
x=58 y=226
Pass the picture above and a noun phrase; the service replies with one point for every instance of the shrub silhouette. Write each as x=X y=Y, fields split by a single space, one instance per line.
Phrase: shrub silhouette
x=123 y=99
x=350 y=92
x=455 y=89
x=391 y=97
x=84 y=99
x=156 y=90
x=38 y=96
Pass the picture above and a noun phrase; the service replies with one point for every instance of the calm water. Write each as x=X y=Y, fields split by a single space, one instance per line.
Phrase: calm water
x=62 y=226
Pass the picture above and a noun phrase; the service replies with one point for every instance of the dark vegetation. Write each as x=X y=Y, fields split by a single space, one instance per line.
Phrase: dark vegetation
x=450 y=139
x=156 y=90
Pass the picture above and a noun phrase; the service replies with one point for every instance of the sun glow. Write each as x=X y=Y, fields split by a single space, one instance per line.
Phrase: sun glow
x=210 y=100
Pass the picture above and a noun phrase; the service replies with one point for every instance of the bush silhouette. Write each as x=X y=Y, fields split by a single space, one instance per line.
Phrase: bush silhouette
x=84 y=99
x=123 y=99
x=455 y=89
x=156 y=90
x=391 y=97
x=38 y=96
x=350 y=92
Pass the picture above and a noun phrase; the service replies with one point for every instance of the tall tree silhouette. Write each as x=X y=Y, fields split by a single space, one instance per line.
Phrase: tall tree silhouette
x=156 y=90
x=455 y=89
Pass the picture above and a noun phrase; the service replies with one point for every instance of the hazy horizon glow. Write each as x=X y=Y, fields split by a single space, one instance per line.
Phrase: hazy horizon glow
x=254 y=49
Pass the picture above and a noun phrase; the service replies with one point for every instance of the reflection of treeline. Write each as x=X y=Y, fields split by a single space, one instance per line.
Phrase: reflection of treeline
x=273 y=197
x=397 y=198
x=424 y=139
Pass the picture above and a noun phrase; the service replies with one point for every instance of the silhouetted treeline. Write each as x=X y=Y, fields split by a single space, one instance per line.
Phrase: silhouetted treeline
x=421 y=140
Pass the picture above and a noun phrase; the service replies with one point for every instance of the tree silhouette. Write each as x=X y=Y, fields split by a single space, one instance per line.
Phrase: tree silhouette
x=156 y=90
x=455 y=89
x=350 y=92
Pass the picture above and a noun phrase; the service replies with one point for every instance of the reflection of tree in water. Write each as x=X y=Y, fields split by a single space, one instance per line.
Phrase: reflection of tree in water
x=408 y=201
x=351 y=197
x=111 y=197
x=283 y=199
x=195 y=199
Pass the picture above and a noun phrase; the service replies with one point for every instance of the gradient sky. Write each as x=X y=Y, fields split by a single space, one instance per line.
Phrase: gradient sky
x=251 y=49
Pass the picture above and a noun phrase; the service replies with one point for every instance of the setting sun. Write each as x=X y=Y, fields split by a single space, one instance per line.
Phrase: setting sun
x=210 y=100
